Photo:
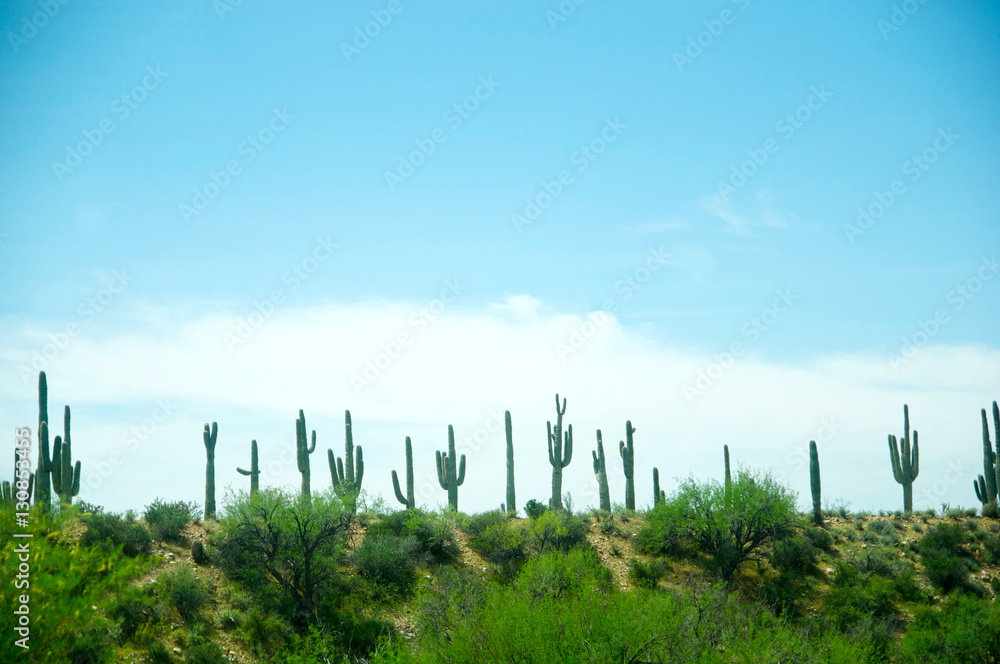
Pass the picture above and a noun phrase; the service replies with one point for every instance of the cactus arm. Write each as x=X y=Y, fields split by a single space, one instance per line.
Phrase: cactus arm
x=441 y=470
x=56 y=463
x=461 y=472
x=245 y=473
x=980 y=486
x=915 y=463
x=552 y=458
x=395 y=487
x=359 y=470
x=568 y=451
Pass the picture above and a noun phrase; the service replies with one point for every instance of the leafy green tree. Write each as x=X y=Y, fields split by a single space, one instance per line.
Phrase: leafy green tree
x=730 y=526
x=295 y=541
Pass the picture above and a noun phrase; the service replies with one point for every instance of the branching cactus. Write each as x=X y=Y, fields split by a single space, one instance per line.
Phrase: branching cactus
x=43 y=481
x=65 y=476
x=511 y=503
x=988 y=483
x=447 y=477
x=601 y=472
x=659 y=496
x=254 y=472
x=814 y=483
x=347 y=473
x=408 y=498
x=905 y=459
x=210 y=435
x=628 y=462
x=560 y=453
x=302 y=451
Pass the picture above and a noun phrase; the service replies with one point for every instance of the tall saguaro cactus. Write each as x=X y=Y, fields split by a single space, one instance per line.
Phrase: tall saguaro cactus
x=303 y=449
x=729 y=477
x=210 y=435
x=560 y=453
x=814 y=483
x=511 y=503
x=43 y=472
x=659 y=496
x=601 y=471
x=408 y=498
x=628 y=462
x=254 y=472
x=989 y=482
x=346 y=473
x=65 y=476
x=447 y=477
x=905 y=460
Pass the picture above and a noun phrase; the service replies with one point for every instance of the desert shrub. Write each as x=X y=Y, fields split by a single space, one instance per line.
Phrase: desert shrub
x=534 y=509
x=456 y=596
x=389 y=560
x=508 y=624
x=646 y=575
x=505 y=545
x=230 y=620
x=265 y=633
x=160 y=654
x=731 y=525
x=881 y=532
x=205 y=653
x=185 y=591
x=556 y=575
x=990 y=550
x=110 y=531
x=990 y=510
x=863 y=607
x=947 y=561
x=666 y=531
x=558 y=530
x=964 y=629
x=135 y=610
x=433 y=534
x=820 y=538
x=795 y=555
x=608 y=526
x=477 y=523
x=168 y=520
x=876 y=560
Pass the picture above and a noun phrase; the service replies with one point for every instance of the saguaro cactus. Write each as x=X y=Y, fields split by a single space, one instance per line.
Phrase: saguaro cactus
x=905 y=460
x=43 y=479
x=729 y=477
x=408 y=498
x=560 y=453
x=989 y=482
x=303 y=448
x=628 y=462
x=511 y=503
x=254 y=472
x=659 y=496
x=814 y=483
x=601 y=471
x=345 y=473
x=65 y=476
x=447 y=477
x=210 y=435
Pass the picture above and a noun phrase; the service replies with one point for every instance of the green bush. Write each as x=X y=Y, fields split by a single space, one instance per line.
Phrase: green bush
x=477 y=523
x=795 y=555
x=964 y=629
x=136 y=611
x=168 y=520
x=433 y=533
x=205 y=653
x=819 y=537
x=505 y=545
x=160 y=654
x=863 y=607
x=556 y=575
x=608 y=526
x=558 y=531
x=389 y=560
x=110 y=531
x=534 y=509
x=947 y=560
x=646 y=575
x=266 y=633
x=731 y=524
x=185 y=591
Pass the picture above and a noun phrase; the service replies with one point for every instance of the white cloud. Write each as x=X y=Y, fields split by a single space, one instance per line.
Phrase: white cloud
x=465 y=368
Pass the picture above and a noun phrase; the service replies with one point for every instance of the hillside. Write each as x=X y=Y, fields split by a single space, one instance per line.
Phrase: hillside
x=177 y=610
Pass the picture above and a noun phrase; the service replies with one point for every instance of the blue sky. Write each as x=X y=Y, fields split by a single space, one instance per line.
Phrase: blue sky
x=164 y=99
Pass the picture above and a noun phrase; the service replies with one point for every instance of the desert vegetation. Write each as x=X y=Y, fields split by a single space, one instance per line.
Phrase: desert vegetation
x=718 y=570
